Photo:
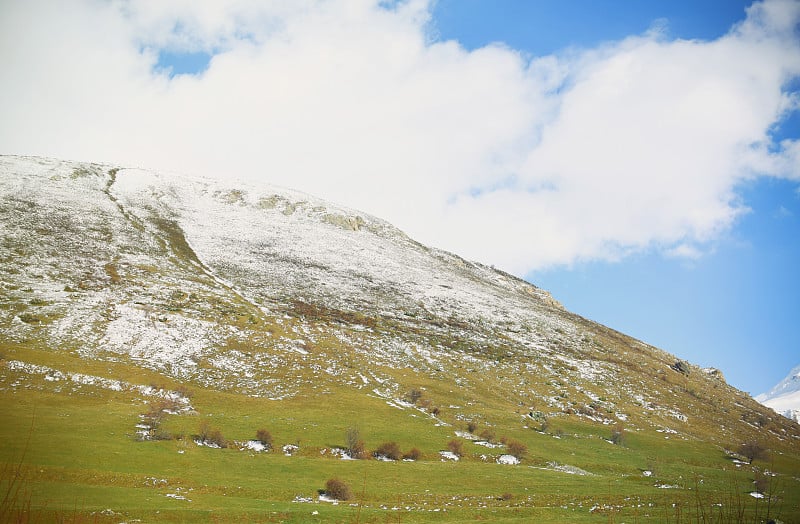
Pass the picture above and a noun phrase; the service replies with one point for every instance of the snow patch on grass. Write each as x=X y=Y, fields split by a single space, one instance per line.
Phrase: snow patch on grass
x=448 y=455
x=508 y=459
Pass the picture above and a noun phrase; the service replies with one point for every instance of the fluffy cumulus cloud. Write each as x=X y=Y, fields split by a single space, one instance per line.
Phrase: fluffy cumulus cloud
x=518 y=161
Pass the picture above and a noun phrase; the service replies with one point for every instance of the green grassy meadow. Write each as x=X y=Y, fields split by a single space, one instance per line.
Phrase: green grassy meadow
x=77 y=458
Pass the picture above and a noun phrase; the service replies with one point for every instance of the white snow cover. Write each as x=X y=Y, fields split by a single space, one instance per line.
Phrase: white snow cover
x=254 y=445
x=141 y=224
x=566 y=468
x=508 y=459
x=448 y=455
x=784 y=398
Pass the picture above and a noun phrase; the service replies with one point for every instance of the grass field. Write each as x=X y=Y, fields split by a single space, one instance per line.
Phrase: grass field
x=74 y=456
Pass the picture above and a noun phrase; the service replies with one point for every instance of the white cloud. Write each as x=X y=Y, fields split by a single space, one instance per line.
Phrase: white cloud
x=685 y=251
x=523 y=164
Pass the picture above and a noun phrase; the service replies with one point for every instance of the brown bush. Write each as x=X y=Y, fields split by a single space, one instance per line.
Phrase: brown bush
x=210 y=435
x=471 y=426
x=356 y=448
x=413 y=454
x=487 y=435
x=456 y=447
x=390 y=450
x=215 y=437
x=516 y=448
x=338 y=489
x=265 y=437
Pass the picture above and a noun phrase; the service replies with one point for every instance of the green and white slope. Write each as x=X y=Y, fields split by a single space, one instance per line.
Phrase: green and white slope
x=126 y=291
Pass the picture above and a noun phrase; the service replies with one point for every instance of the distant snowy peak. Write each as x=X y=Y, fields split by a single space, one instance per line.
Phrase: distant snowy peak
x=785 y=396
x=790 y=384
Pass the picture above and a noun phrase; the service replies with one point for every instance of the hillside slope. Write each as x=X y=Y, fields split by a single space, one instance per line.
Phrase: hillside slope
x=240 y=302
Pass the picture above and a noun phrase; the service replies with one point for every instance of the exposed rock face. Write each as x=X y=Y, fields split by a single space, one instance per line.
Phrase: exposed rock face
x=681 y=366
x=352 y=223
x=714 y=373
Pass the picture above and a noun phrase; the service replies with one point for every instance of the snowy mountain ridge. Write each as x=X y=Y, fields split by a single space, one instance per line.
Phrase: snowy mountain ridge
x=785 y=396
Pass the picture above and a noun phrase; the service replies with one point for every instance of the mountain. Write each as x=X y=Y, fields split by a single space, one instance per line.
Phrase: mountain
x=785 y=396
x=144 y=315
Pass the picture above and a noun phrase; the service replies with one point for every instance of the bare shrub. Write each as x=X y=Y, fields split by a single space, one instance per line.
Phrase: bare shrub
x=154 y=416
x=516 y=448
x=414 y=395
x=203 y=430
x=761 y=482
x=618 y=435
x=413 y=454
x=356 y=447
x=435 y=411
x=753 y=450
x=216 y=438
x=488 y=435
x=210 y=435
x=506 y=497
x=471 y=426
x=265 y=437
x=338 y=489
x=351 y=437
x=160 y=433
x=359 y=450
x=456 y=447
x=390 y=450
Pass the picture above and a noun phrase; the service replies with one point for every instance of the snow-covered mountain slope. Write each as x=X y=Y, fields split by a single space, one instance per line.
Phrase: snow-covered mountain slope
x=272 y=293
x=785 y=396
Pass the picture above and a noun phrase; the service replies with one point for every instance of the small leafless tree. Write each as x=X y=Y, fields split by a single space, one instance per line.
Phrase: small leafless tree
x=753 y=450
x=618 y=435
x=355 y=445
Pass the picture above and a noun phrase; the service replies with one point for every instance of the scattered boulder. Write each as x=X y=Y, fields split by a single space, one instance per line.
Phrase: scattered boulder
x=681 y=366
x=714 y=373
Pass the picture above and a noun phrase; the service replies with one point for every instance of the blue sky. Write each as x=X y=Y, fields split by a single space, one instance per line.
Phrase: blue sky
x=738 y=306
x=640 y=160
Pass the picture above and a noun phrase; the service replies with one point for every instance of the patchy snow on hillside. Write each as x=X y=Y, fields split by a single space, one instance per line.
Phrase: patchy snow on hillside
x=508 y=459
x=271 y=292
